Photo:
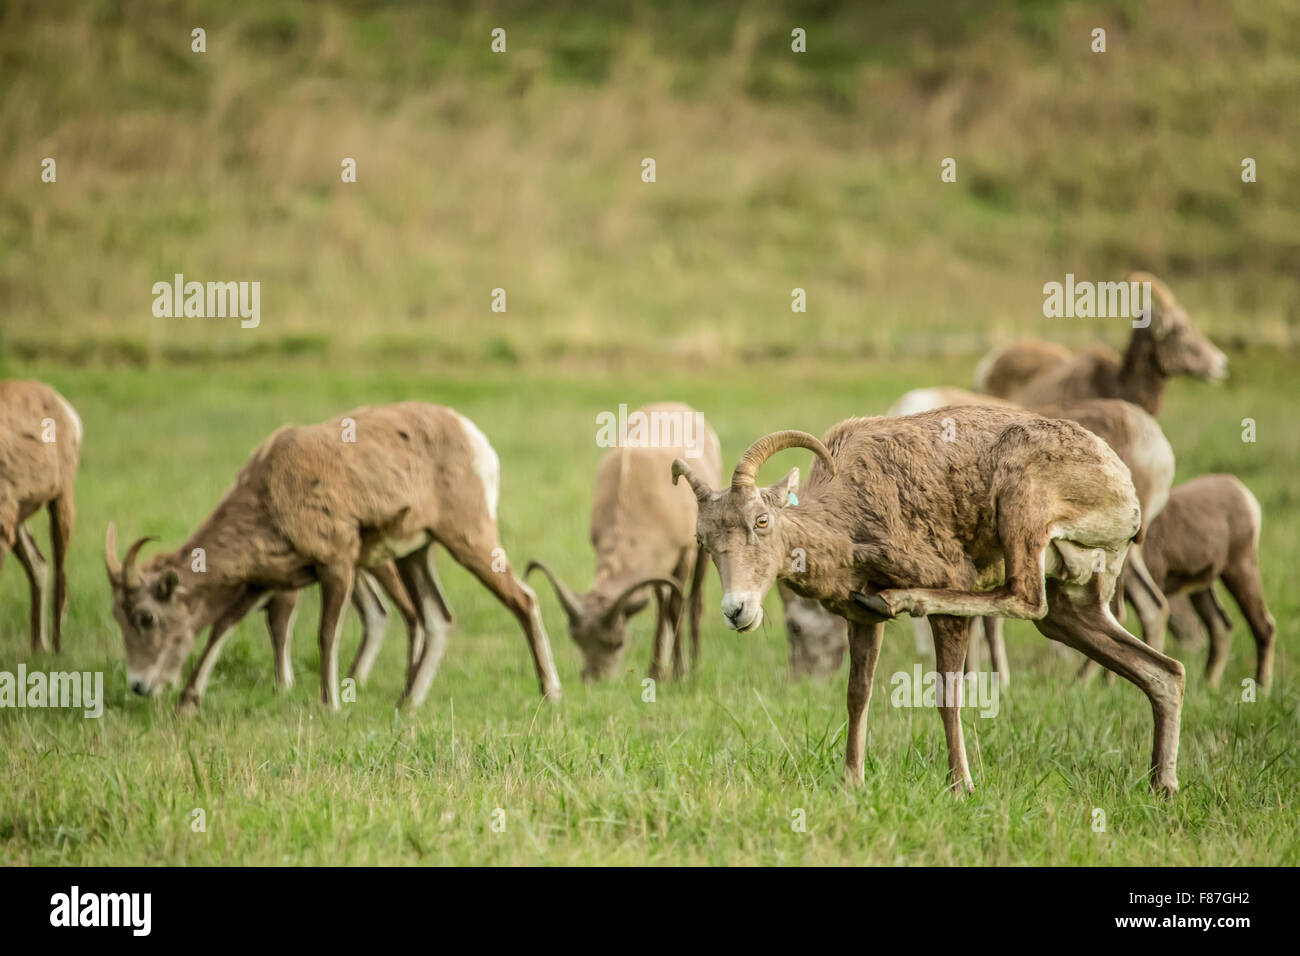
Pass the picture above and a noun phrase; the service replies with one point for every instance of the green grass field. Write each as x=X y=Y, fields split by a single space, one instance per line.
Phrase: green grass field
x=714 y=770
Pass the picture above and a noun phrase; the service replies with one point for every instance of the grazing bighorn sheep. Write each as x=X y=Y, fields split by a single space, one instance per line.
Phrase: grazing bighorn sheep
x=317 y=502
x=1208 y=532
x=818 y=638
x=895 y=519
x=643 y=531
x=1140 y=443
x=40 y=444
x=1170 y=345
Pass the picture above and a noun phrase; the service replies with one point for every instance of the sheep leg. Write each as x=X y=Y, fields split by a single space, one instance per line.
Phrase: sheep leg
x=922 y=637
x=664 y=645
x=62 y=515
x=951 y=639
x=1184 y=623
x=38 y=580
x=336 y=583
x=996 y=640
x=374 y=621
x=1078 y=616
x=864 y=652
x=1216 y=621
x=519 y=599
x=192 y=694
x=281 y=609
x=414 y=569
x=390 y=580
x=1247 y=589
x=1152 y=608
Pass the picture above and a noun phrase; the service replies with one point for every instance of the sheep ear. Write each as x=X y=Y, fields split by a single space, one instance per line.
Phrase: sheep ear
x=783 y=493
x=167 y=586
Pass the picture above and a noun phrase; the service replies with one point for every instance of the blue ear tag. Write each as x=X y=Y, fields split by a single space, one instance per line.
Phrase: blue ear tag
x=793 y=500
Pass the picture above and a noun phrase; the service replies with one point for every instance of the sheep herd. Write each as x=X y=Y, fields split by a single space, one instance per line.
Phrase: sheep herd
x=1045 y=495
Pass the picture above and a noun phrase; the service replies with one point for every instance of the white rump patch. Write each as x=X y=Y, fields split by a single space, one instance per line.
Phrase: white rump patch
x=918 y=400
x=72 y=414
x=486 y=463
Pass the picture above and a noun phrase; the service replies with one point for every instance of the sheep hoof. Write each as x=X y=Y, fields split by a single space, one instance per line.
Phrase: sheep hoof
x=873 y=604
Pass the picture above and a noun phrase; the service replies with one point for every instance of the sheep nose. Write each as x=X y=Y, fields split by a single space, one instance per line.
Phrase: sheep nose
x=137 y=687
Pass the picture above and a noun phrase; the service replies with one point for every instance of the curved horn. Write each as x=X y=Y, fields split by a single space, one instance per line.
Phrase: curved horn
x=110 y=552
x=568 y=600
x=683 y=470
x=769 y=445
x=633 y=588
x=130 y=576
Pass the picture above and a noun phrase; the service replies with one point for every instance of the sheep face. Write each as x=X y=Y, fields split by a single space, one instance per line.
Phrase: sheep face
x=743 y=529
x=602 y=638
x=157 y=628
x=1181 y=349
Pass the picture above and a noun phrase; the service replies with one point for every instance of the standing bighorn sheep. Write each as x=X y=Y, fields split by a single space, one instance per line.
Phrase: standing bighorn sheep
x=315 y=503
x=895 y=519
x=1208 y=532
x=40 y=444
x=1036 y=373
x=643 y=532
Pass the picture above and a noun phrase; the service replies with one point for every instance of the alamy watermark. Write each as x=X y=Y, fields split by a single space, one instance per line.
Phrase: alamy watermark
x=213 y=300
x=80 y=690
x=1098 y=300
x=653 y=429
x=931 y=689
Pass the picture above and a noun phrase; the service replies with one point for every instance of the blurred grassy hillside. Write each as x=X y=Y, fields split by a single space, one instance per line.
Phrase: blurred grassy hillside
x=522 y=171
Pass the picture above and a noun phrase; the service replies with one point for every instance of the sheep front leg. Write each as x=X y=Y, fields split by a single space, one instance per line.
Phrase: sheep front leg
x=38 y=580
x=864 y=652
x=335 y=592
x=192 y=695
x=280 y=612
x=951 y=638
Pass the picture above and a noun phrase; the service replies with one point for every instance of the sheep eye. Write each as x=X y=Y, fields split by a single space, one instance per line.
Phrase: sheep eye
x=762 y=521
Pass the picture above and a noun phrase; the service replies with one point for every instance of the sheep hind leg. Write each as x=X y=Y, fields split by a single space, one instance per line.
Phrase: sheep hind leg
x=1216 y=621
x=374 y=622
x=281 y=609
x=1247 y=589
x=1079 y=617
x=414 y=571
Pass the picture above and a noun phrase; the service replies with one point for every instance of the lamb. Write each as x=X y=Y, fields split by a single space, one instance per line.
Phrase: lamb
x=643 y=532
x=315 y=503
x=1037 y=373
x=897 y=520
x=40 y=446
x=1209 y=531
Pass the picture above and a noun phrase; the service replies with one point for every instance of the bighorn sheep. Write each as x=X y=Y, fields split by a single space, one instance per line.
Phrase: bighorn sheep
x=643 y=531
x=318 y=502
x=1037 y=373
x=1140 y=443
x=895 y=519
x=1209 y=531
x=40 y=444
